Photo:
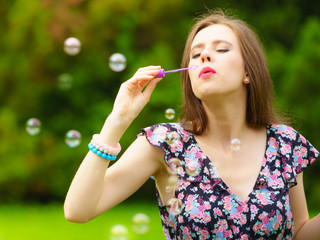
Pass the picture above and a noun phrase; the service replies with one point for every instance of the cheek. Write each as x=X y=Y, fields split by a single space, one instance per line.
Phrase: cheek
x=198 y=89
x=233 y=69
x=193 y=74
x=191 y=82
x=237 y=63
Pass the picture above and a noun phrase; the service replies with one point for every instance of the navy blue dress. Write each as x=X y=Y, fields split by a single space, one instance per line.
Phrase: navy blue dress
x=205 y=208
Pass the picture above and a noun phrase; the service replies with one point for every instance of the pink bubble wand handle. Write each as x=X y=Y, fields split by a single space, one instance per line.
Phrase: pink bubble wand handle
x=162 y=73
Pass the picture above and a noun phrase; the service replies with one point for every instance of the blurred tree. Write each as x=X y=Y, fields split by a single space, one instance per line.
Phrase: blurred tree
x=299 y=92
x=41 y=167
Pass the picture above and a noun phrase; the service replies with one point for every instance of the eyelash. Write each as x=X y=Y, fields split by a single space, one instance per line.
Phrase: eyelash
x=218 y=50
x=196 y=55
x=223 y=50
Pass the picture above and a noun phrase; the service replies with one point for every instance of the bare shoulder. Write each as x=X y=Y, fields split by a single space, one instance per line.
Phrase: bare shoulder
x=148 y=150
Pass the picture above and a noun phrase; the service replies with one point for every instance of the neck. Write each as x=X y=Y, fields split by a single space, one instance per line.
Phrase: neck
x=226 y=121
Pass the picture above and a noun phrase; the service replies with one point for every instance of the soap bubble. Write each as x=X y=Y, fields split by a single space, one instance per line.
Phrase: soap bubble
x=118 y=232
x=33 y=126
x=235 y=144
x=173 y=179
x=174 y=206
x=172 y=138
x=140 y=223
x=73 y=138
x=170 y=189
x=172 y=183
x=65 y=81
x=193 y=168
x=72 y=46
x=174 y=164
x=117 y=62
x=170 y=113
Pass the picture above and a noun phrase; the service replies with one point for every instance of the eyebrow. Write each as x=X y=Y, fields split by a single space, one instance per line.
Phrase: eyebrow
x=215 y=42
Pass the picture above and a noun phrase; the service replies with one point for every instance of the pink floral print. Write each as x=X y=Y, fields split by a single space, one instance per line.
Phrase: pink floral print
x=210 y=209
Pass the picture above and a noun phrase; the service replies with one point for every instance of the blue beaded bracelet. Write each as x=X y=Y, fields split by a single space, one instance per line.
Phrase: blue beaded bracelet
x=101 y=154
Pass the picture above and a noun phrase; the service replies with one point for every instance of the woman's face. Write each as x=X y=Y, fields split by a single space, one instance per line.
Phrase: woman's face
x=215 y=49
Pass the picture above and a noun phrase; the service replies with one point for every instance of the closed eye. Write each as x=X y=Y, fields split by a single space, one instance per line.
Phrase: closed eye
x=196 y=55
x=223 y=50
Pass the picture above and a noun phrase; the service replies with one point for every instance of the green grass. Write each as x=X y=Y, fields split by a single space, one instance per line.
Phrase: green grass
x=47 y=222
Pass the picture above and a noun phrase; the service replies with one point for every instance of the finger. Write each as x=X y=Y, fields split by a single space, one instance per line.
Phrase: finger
x=149 y=68
x=148 y=72
x=140 y=81
x=152 y=73
x=140 y=78
x=144 y=75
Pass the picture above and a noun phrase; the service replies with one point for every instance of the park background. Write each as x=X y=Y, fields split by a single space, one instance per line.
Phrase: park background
x=36 y=171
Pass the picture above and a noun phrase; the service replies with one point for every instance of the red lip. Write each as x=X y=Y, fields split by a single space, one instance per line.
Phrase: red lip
x=206 y=72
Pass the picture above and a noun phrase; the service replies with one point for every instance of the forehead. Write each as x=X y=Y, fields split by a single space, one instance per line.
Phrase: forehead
x=216 y=32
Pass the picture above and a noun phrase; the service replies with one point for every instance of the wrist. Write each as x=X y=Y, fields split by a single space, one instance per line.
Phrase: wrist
x=113 y=128
x=119 y=121
x=102 y=149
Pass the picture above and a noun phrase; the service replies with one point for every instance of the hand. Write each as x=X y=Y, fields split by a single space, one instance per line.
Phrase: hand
x=135 y=93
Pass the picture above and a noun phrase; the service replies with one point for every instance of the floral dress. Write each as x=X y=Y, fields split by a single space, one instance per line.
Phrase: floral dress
x=208 y=209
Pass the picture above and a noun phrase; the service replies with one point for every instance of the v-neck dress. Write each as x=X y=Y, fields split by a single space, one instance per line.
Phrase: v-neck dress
x=209 y=209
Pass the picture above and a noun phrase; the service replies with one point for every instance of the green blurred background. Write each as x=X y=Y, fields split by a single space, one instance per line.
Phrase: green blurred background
x=37 y=170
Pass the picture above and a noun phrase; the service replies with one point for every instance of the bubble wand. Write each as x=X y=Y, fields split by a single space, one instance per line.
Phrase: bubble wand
x=162 y=73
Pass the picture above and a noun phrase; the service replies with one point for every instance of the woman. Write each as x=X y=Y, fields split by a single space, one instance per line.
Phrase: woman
x=206 y=189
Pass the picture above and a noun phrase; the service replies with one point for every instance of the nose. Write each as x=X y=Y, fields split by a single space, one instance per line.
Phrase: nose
x=206 y=56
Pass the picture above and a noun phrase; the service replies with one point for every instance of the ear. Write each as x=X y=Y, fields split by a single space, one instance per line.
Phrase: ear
x=246 y=80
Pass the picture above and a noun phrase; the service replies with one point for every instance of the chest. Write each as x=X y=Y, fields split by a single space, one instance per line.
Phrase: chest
x=240 y=172
x=207 y=207
x=240 y=169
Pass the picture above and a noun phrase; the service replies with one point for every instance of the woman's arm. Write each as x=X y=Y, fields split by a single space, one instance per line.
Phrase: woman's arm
x=304 y=228
x=95 y=188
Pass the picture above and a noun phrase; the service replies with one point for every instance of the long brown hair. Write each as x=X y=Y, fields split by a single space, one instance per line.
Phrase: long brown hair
x=259 y=111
